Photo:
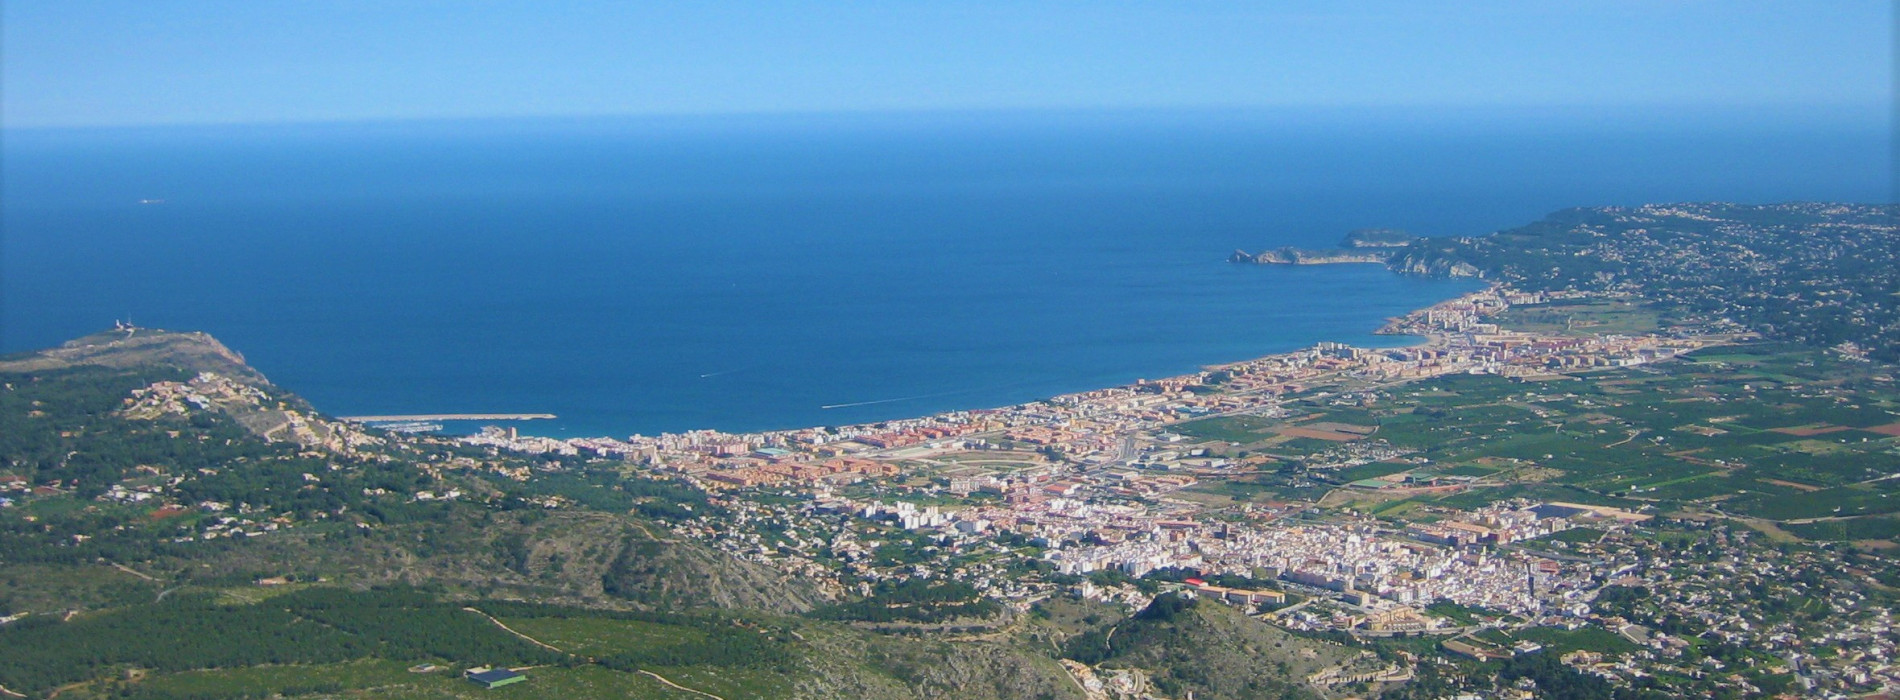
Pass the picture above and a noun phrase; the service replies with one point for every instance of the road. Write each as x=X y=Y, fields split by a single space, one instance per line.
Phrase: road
x=511 y=630
x=131 y=571
x=671 y=684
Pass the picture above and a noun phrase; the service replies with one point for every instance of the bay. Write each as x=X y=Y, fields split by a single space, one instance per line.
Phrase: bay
x=749 y=273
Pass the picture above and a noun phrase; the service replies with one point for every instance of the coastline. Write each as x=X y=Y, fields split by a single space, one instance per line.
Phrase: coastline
x=1249 y=327
x=1100 y=429
x=1392 y=327
x=1426 y=340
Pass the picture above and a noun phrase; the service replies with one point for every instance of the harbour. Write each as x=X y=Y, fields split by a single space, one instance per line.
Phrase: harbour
x=432 y=417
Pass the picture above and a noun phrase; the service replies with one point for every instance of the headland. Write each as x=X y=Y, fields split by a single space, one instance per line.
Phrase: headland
x=1369 y=245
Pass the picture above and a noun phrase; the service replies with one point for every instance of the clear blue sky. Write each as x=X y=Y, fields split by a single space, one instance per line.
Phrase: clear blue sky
x=137 y=62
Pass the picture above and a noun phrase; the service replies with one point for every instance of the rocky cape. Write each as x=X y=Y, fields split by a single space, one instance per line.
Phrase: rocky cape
x=129 y=347
x=1305 y=256
x=1397 y=250
x=1407 y=260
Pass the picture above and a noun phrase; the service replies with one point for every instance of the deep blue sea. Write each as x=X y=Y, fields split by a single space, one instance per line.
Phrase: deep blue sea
x=749 y=273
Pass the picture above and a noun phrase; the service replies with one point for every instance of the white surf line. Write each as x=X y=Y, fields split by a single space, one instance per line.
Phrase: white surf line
x=901 y=398
x=663 y=679
x=863 y=403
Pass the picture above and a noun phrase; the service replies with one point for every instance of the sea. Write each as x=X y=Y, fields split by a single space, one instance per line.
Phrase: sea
x=757 y=272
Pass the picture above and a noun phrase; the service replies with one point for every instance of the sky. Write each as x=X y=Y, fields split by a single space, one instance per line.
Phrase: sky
x=76 y=63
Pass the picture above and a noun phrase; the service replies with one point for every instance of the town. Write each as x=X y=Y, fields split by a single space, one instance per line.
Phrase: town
x=1105 y=493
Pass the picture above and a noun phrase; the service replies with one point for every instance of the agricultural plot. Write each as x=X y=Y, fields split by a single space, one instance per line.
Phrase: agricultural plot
x=388 y=643
x=398 y=684
x=596 y=636
x=1771 y=432
x=1855 y=529
x=1694 y=432
x=1469 y=470
x=586 y=682
x=1240 y=429
x=1845 y=501
x=290 y=680
x=1591 y=317
x=1370 y=471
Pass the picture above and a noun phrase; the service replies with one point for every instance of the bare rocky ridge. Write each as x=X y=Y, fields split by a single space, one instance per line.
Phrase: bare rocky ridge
x=224 y=383
x=128 y=347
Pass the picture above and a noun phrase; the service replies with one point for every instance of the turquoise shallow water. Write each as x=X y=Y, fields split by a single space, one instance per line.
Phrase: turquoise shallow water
x=747 y=274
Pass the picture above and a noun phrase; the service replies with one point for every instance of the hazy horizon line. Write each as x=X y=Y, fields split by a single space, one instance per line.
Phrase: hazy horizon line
x=1856 y=112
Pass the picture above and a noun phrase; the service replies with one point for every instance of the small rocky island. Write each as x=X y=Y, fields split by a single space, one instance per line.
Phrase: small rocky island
x=1366 y=245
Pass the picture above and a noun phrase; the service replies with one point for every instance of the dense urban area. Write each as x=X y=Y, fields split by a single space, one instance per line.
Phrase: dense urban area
x=1657 y=456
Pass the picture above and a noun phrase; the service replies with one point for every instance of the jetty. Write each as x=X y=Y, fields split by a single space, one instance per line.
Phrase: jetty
x=446 y=416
